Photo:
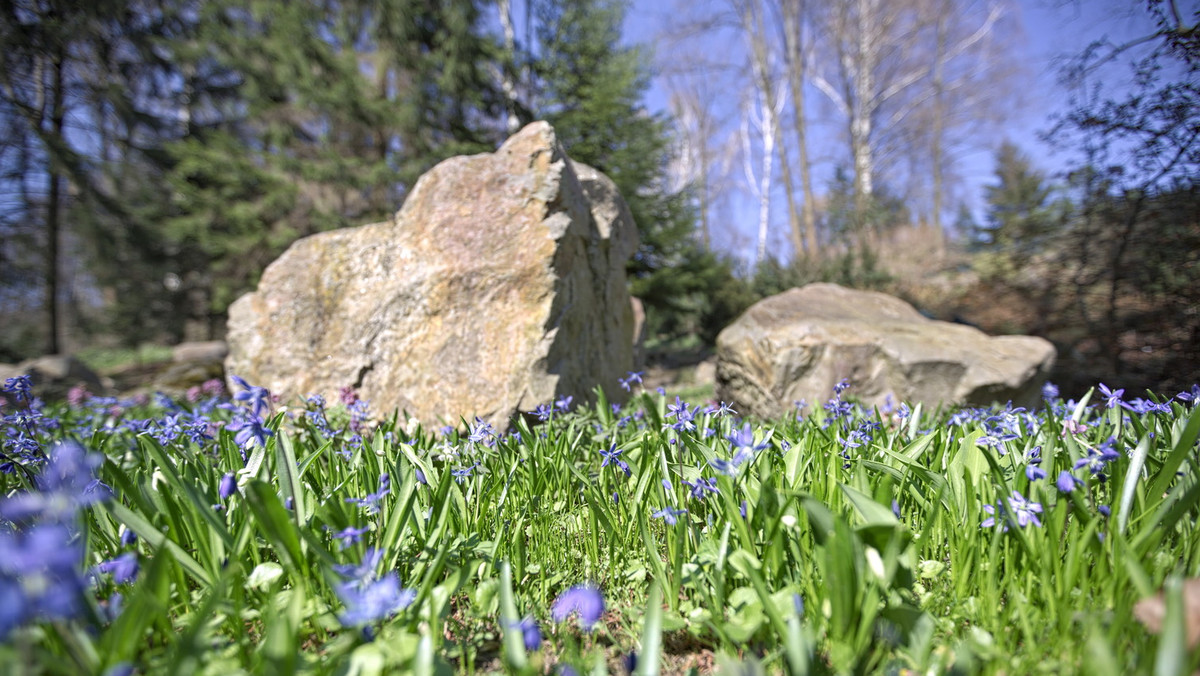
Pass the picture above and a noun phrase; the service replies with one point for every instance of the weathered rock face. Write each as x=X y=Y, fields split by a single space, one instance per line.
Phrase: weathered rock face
x=498 y=286
x=797 y=345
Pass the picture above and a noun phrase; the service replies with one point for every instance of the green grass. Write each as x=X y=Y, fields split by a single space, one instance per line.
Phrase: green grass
x=808 y=557
x=107 y=359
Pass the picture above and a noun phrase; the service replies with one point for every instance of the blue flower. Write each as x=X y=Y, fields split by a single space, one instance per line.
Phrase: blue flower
x=1023 y=511
x=371 y=501
x=1112 y=397
x=40 y=575
x=349 y=535
x=669 y=514
x=228 y=486
x=250 y=429
x=482 y=432
x=634 y=377
x=256 y=397
x=373 y=600
x=1049 y=391
x=65 y=485
x=363 y=571
x=124 y=568
x=564 y=403
x=1098 y=458
x=1067 y=482
x=584 y=600
x=530 y=632
x=683 y=416
x=611 y=457
x=744 y=438
x=701 y=487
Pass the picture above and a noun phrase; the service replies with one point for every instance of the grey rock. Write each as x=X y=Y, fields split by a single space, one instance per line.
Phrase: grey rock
x=54 y=375
x=798 y=344
x=498 y=286
x=200 y=351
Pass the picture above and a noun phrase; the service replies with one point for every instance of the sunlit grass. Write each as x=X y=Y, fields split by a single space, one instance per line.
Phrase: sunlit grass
x=836 y=540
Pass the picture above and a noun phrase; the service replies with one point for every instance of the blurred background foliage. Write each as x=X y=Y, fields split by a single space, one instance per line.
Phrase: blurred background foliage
x=156 y=155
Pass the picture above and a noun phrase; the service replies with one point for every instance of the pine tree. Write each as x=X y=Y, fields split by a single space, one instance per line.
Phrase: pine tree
x=590 y=89
x=330 y=114
x=1018 y=215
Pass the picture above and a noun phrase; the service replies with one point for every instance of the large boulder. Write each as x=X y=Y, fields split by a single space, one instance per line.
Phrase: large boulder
x=498 y=286
x=797 y=345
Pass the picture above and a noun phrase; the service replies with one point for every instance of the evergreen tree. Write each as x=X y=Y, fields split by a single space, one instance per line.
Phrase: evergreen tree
x=1018 y=215
x=330 y=113
x=590 y=89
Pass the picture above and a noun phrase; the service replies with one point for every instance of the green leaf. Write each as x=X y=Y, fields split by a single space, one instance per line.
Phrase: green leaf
x=651 y=653
x=514 y=641
x=1183 y=448
x=155 y=538
x=1172 y=655
x=275 y=524
x=1128 y=490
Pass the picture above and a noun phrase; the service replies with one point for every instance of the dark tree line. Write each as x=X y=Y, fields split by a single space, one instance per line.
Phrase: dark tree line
x=165 y=151
x=1108 y=259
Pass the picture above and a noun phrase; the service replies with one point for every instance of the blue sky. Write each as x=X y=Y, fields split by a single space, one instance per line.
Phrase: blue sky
x=1040 y=34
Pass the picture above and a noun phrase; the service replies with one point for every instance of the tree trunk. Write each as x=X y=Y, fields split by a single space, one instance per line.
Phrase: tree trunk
x=797 y=66
x=53 y=175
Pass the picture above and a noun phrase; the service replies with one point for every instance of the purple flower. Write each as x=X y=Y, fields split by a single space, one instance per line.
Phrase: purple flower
x=583 y=599
x=250 y=429
x=701 y=487
x=530 y=632
x=669 y=514
x=40 y=575
x=227 y=487
x=1112 y=397
x=1034 y=473
x=373 y=600
x=256 y=397
x=564 y=403
x=349 y=535
x=1098 y=458
x=1067 y=482
x=65 y=485
x=744 y=438
x=1049 y=391
x=1023 y=511
x=611 y=457
x=124 y=568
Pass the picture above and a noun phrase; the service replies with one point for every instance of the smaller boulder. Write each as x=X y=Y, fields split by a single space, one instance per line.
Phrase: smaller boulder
x=798 y=344
x=54 y=375
x=200 y=351
x=193 y=364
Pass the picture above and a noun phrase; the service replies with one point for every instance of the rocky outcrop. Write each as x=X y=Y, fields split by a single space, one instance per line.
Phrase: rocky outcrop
x=498 y=286
x=797 y=345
